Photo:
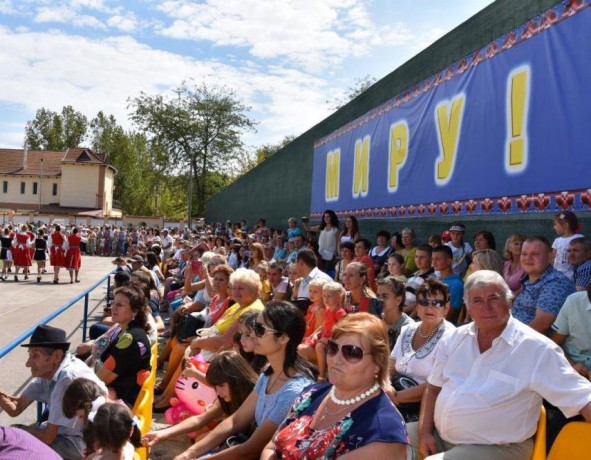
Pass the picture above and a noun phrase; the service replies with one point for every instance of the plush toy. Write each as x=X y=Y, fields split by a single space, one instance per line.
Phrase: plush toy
x=192 y=396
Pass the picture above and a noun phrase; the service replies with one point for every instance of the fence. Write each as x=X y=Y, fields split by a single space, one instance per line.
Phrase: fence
x=84 y=295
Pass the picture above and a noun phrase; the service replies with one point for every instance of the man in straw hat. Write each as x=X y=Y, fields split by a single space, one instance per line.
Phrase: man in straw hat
x=52 y=369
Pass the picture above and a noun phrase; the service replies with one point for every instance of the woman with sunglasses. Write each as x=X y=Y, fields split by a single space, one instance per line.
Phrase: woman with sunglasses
x=414 y=352
x=350 y=417
x=279 y=329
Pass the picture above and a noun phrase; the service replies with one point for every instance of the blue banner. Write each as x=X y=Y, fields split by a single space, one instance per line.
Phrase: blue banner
x=504 y=130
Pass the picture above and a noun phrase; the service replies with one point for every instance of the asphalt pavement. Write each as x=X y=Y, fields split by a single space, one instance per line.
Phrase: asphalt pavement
x=25 y=303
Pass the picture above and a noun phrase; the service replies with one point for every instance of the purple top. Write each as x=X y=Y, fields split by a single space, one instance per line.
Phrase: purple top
x=16 y=444
x=513 y=279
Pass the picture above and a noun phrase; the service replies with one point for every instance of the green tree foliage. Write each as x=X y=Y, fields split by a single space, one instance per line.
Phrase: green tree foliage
x=264 y=152
x=200 y=129
x=141 y=183
x=56 y=131
x=359 y=86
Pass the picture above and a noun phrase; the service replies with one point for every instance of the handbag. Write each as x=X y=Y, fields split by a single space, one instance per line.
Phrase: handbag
x=189 y=325
x=409 y=411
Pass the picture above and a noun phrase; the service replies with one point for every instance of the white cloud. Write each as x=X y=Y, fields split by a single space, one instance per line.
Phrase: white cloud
x=55 y=14
x=127 y=23
x=7 y=7
x=84 y=20
x=55 y=69
x=313 y=33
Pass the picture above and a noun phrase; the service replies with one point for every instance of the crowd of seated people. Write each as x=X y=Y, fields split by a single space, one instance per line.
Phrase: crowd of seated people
x=361 y=348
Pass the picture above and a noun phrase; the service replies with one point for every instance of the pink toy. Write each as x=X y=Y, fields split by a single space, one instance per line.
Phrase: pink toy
x=193 y=397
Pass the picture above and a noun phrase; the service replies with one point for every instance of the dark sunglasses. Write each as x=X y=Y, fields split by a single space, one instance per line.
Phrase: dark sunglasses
x=260 y=330
x=351 y=353
x=433 y=303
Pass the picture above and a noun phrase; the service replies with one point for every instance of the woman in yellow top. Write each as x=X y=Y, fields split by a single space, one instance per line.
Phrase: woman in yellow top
x=245 y=285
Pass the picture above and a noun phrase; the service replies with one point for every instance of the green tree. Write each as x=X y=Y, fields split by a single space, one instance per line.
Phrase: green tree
x=56 y=131
x=264 y=152
x=199 y=127
x=359 y=86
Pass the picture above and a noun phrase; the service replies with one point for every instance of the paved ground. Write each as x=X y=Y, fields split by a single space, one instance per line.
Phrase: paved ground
x=25 y=303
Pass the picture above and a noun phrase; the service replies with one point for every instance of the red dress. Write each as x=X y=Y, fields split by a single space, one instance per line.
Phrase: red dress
x=73 y=257
x=56 y=253
x=20 y=253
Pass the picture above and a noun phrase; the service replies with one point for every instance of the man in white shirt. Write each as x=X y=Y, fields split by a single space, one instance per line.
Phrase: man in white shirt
x=485 y=391
x=306 y=267
x=167 y=244
x=52 y=369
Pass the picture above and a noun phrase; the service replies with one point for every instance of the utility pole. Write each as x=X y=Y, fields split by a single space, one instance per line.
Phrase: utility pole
x=190 y=200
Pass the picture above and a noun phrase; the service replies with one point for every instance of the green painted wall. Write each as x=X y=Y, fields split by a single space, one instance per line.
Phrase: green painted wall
x=281 y=186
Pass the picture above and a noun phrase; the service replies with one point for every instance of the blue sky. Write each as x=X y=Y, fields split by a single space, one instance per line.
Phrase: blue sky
x=284 y=58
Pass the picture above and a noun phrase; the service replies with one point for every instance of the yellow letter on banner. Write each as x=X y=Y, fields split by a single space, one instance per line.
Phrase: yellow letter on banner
x=361 y=167
x=448 y=117
x=398 y=150
x=333 y=161
x=517 y=112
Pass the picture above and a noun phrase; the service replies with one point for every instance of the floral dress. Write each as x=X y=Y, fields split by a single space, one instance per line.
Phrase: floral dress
x=377 y=420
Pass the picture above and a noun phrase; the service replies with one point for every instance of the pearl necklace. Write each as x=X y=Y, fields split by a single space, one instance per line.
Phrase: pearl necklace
x=430 y=335
x=348 y=402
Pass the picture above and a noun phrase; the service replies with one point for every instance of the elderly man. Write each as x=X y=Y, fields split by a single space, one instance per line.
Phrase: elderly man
x=579 y=257
x=53 y=370
x=485 y=391
x=544 y=290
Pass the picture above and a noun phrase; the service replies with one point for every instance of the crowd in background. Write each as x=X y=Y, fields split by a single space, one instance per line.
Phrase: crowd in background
x=347 y=325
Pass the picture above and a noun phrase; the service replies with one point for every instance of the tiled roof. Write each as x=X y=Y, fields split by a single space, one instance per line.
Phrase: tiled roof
x=11 y=162
x=83 y=155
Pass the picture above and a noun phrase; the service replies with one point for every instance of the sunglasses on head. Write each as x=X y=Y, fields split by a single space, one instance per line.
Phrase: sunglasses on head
x=351 y=353
x=260 y=330
x=433 y=303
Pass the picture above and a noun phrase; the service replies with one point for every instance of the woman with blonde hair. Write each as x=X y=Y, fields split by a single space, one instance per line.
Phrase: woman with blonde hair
x=486 y=259
x=360 y=297
x=512 y=270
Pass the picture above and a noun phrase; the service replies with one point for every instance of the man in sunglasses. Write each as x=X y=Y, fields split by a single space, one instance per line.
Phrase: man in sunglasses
x=485 y=390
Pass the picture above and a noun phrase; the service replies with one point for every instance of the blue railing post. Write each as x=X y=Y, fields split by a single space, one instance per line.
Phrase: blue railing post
x=85 y=320
x=108 y=289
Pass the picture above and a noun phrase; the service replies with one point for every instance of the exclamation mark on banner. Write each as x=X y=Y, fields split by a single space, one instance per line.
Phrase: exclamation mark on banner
x=517 y=111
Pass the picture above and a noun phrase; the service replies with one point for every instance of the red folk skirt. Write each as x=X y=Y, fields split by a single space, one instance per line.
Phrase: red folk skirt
x=73 y=258
x=56 y=256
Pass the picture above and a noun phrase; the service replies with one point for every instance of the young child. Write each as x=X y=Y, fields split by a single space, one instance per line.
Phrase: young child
x=333 y=295
x=314 y=320
x=395 y=267
x=113 y=431
x=233 y=379
x=266 y=291
x=566 y=225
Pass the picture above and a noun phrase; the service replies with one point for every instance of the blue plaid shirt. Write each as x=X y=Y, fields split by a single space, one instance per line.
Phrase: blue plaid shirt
x=548 y=294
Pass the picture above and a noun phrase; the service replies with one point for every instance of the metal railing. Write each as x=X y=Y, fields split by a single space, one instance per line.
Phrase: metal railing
x=84 y=295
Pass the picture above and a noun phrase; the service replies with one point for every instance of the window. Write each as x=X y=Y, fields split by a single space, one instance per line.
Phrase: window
x=22 y=188
x=34 y=188
x=5 y=186
x=54 y=190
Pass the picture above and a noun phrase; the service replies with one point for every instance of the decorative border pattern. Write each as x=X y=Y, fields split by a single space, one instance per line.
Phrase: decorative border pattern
x=539 y=203
x=553 y=16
